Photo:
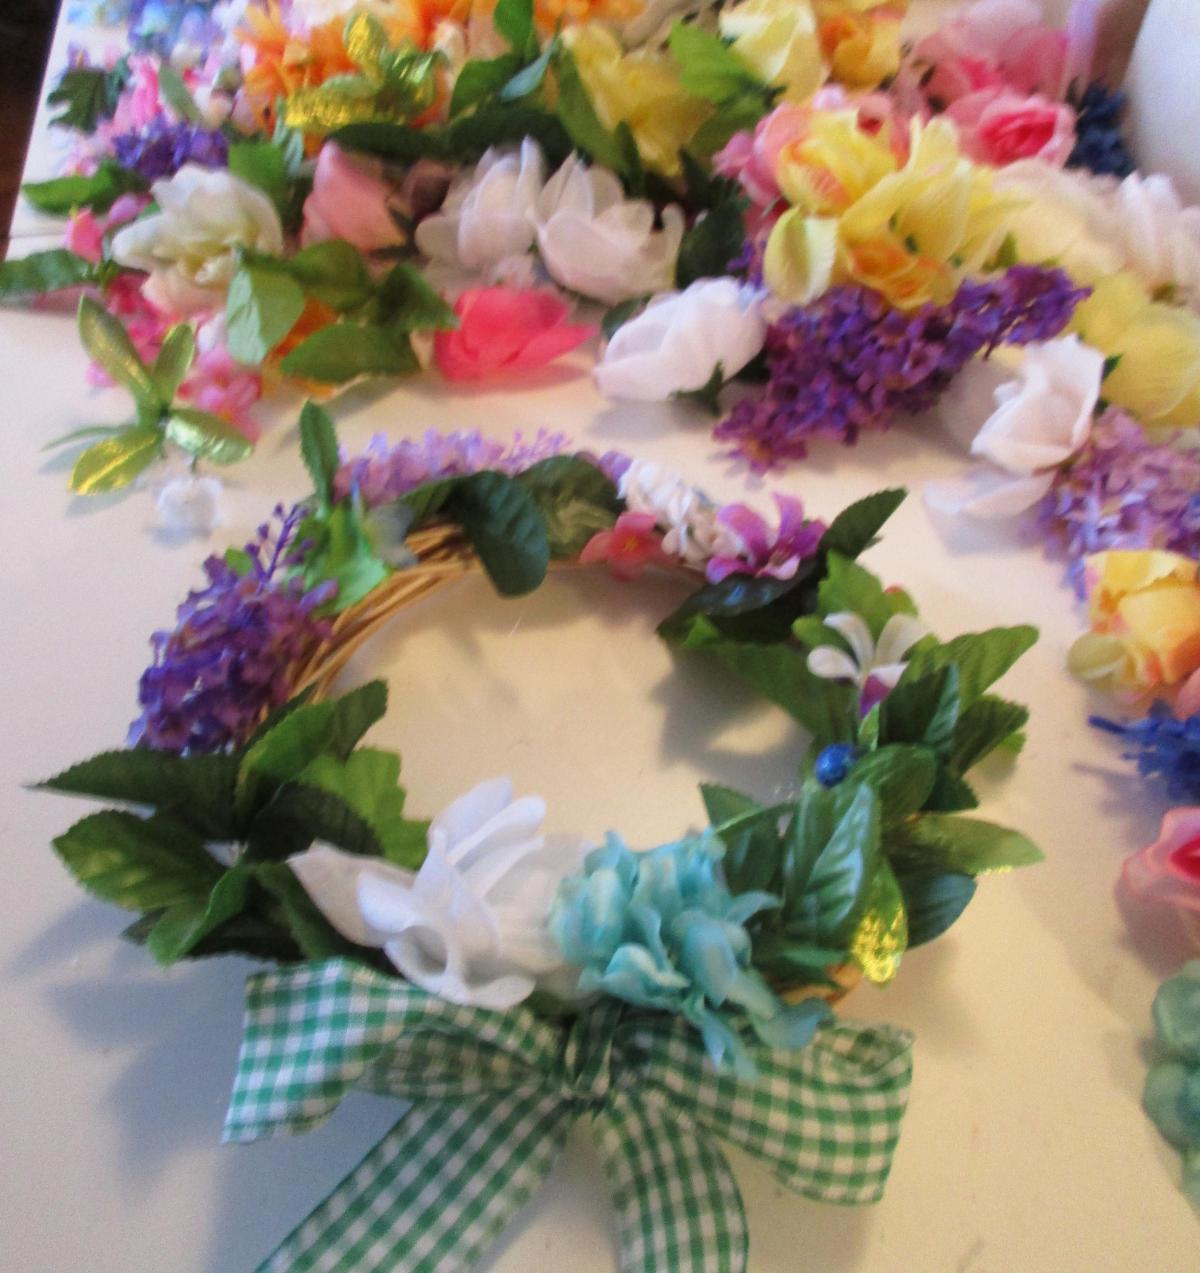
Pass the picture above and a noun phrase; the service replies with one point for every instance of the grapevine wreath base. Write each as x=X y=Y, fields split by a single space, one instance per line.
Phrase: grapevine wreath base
x=506 y=981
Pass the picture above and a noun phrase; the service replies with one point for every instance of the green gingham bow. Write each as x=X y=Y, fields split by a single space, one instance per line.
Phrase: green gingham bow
x=494 y=1094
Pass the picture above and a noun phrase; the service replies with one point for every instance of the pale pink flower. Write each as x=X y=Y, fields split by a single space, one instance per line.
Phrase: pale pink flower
x=501 y=330
x=220 y=385
x=1169 y=869
x=86 y=231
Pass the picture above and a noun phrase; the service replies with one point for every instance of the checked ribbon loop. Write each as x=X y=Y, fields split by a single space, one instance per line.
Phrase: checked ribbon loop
x=494 y=1095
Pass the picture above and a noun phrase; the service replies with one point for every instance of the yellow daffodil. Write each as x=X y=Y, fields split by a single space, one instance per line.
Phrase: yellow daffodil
x=777 y=40
x=1144 y=610
x=862 y=47
x=1153 y=348
x=641 y=89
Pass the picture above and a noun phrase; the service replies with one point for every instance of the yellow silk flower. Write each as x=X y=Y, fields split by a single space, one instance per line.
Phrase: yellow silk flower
x=777 y=40
x=908 y=232
x=641 y=89
x=1144 y=610
x=861 y=42
x=1154 y=348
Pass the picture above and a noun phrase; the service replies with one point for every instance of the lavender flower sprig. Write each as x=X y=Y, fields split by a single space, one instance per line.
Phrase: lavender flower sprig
x=162 y=148
x=1122 y=490
x=230 y=654
x=850 y=362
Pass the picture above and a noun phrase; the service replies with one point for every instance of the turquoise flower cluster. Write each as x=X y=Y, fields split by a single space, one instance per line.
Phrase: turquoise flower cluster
x=1172 y=1095
x=661 y=930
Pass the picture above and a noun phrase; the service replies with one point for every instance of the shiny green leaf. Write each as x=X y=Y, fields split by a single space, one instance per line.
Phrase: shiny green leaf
x=108 y=344
x=115 y=462
x=206 y=436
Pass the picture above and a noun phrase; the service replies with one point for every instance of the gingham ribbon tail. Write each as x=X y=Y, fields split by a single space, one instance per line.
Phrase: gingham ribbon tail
x=494 y=1094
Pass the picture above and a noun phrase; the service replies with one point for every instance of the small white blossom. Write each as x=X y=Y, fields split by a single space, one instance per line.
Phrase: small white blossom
x=881 y=661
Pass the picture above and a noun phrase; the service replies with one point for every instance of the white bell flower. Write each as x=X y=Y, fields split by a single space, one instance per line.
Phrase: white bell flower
x=188 y=245
x=598 y=243
x=880 y=661
x=676 y=343
x=470 y=925
x=1042 y=418
x=488 y=214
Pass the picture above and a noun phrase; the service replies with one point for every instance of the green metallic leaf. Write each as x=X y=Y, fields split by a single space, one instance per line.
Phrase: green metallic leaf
x=108 y=344
x=207 y=436
x=141 y=864
x=173 y=361
x=115 y=462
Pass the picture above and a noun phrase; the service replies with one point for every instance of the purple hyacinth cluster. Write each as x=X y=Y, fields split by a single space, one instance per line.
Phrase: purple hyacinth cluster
x=850 y=362
x=386 y=471
x=1122 y=490
x=235 y=641
x=162 y=148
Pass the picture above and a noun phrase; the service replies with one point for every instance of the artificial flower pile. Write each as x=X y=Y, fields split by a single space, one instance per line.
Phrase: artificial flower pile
x=263 y=826
x=780 y=192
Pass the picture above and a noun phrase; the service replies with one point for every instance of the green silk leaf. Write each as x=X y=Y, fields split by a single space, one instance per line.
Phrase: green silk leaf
x=855 y=528
x=575 y=500
x=261 y=307
x=173 y=361
x=318 y=446
x=933 y=900
x=503 y=522
x=207 y=436
x=88 y=96
x=108 y=344
x=262 y=164
x=980 y=657
x=115 y=462
x=345 y=351
x=186 y=924
x=42 y=272
x=481 y=79
x=62 y=196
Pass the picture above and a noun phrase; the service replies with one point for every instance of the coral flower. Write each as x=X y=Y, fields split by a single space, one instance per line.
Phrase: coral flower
x=1169 y=869
x=633 y=544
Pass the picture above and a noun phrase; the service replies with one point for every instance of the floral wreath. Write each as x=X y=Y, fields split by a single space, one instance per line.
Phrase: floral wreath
x=679 y=995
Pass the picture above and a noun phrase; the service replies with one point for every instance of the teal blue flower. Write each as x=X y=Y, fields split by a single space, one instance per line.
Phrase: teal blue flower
x=1172 y=1093
x=661 y=930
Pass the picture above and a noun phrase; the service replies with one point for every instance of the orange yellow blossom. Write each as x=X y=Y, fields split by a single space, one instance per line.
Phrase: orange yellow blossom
x=1153 y=350
x=1144 y=611
x=861 y=213
x=860 y=40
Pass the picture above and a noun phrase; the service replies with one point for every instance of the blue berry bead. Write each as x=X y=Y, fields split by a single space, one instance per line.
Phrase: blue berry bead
x=834 y=763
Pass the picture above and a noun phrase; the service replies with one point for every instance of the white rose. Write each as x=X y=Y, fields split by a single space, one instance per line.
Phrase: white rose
x=687 y=516
x=488 y=214
x=188 y=245
x=1041 y=419
x=680 y=338
x=470 y=925
x=600 y=244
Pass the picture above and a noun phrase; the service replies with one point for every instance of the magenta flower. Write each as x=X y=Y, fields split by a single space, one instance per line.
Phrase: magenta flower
x=629 y=547
x=1169 y=869
x=762 y=554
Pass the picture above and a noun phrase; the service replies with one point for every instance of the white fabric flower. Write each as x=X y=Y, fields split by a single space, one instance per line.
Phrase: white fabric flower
x=882 y=661
x=189 y=505
x=188 y=245
x=488 y=214
x=1042 y=418
x=600 y=244
x=1160 y=237
x=686 y=515
x=680 y=338
x=470 y=925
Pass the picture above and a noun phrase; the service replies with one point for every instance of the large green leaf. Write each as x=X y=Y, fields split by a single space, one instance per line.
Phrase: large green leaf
x=502 y=521
x=261 y=307
x=186 y=924
x=42 y=272
x=980 y=657
x=924 y=711
x=405 y=302
x=579 y=117
x=575 y=499
x=711 y=242
x=948 y=842
x=319 y=447
x=115 y=462
x=142 y=864
x=984 y=726
x=108 y=344
x=933 y=900
x=345 y=555
x=62 y=196
x=855 y=528
x=198 y=789
x=354 y=713
x=344 y=351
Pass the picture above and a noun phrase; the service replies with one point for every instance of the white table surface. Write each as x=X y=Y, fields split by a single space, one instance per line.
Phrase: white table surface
x=1025 y=1149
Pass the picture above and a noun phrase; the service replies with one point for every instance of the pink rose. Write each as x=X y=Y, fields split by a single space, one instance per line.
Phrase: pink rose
x=1169 y=869
x=500 y=329
x=86 y=231
x=999 y=128
x=750 y=158
x=353 y=199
